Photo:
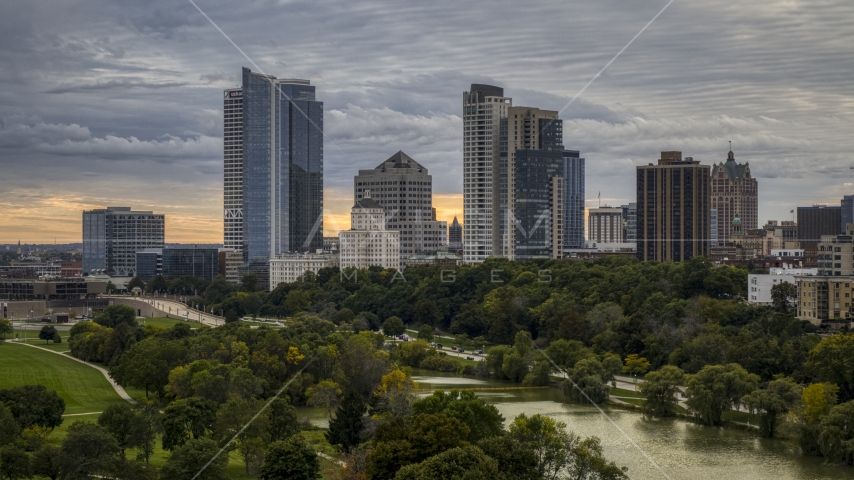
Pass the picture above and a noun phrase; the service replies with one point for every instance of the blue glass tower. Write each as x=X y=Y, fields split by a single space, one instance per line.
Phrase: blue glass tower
x=282 y=167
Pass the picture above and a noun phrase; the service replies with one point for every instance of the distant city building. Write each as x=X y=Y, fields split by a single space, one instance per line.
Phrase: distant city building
x=734 y=191
x=330 y=244
x=113 y=235
x=369 y=243
x=177 y=262
x=289 y=267
x=455 y=236
x=404 y=189
x=63 y=289
x=573 y=199
x=537 y=212
x=673 y=209
x=630 y=222
x=847 y=213
x=824 y=298
x=605 y=225
x=25 y=269
x=836 y=254
x=282 y=168
x=818 y=220
x=483 y=108
x=232 y=146
x=759 y=285
x=433 y=258
x=787 y=230
x=71 y=269
x=713 y=227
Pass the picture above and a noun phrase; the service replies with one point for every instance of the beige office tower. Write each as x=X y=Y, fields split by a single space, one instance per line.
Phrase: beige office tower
x=404 y=189
x=483 y=108
x=605 y=225
x=525 y=128
x=734 y=191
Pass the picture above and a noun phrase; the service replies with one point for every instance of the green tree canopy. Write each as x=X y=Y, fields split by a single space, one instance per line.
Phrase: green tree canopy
x=34 y=405
x=292 y=459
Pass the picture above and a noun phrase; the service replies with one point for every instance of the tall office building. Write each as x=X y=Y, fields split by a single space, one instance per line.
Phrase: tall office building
x=847 y=211
x=630 y=222
x=537 y=208
x=404 y=189
x=483 y=108
x=673 y=209
x=282 y=167
x=734 y=192
x=177 y=262
x=113 y=235
x=232 y=138
x=605 y=225
x=573 y=199
x=455 y=236
x=818 y=220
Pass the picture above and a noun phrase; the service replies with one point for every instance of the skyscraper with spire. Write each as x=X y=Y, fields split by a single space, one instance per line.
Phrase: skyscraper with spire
x=733 y=191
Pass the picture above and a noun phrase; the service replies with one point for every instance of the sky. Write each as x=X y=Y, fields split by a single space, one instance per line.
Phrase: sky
x=120 y=103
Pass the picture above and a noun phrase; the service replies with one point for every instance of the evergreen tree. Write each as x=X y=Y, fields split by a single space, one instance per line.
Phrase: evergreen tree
x=345 y=429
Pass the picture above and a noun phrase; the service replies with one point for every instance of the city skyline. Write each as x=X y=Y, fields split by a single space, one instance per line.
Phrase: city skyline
x=156 y=75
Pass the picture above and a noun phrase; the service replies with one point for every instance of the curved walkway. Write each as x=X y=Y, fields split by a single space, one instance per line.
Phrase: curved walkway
x=118 y=388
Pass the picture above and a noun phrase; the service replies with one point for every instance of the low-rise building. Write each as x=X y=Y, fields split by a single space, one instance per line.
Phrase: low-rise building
x=369 y=242
x=438 y=257
x=825 y=298
x=289 y=267
x=49 y=290
x=759 y=285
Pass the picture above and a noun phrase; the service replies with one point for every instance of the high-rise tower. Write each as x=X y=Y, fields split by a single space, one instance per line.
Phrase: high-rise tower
x=483 y=108
x=734 y=192
x=232 y=137
x=282 y=167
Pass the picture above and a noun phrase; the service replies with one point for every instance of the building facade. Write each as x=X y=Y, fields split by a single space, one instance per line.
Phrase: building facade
x=817 y=221
x=673 y=209
x=630 y=222
x=483 y=108
x=404 y=189
x=282 y=167
x=759 y=285
x=455 y=236
x=537 y=208
x=734 y=191
x=605 y=225
x=369 y=243
x=113 y=235
x=822 y=298
x=177 y=262
x=573 y=199
x=288 y=268
x=232 y=149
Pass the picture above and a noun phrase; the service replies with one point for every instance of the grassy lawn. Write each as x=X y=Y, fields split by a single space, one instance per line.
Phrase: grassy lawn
x=160 y=321
x=83 y=388
x=56 y=347
x=621 y=392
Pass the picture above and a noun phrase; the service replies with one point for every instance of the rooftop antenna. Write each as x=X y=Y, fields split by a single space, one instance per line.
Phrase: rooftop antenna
x=730 y=145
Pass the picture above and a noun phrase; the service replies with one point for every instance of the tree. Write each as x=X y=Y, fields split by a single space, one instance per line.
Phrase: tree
x=249 y=283
x=425 y=332
x=587 y=382
x=282 y=420
x=783 y=295
x=15 y=463
x=34 y=405
x=136 y=282
x=111 y=287
x=189 y=459
x=660 y=389
x=832 y=360
x=185 y=419
x=292 y=459
x=778 y=398
x=425 y=312
x=148 y=423
x=6 y=327
x=46 y=461
x=636 y=365
x=9 y=429
x=393 y=326
x=119 y=419
x=326 y=394
x=231 y=316
x=344 y=316
x=588 y=462
x=717 y=388
x=394 y=396
x=345 y=430
x=566 y=353
x=482 y=419
x=457 y=463
x=87 y=450
x=157 y=284
x=147 y=364
x=548 y=439
x=116 y=314
x=515 y=461
x=47 y=333
x=837 y=434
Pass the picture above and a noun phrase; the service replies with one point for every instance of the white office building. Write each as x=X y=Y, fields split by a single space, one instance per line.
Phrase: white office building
x=759 y=285
x=369 y=242
x=289 y=267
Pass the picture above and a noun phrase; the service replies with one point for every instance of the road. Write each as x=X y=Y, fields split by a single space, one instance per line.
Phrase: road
x=178 y=309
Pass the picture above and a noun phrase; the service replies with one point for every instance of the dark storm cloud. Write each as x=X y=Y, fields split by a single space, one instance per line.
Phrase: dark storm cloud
x=132 y=91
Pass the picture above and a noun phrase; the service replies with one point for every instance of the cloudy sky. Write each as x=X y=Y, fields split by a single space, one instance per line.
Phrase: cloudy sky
x=120 y=103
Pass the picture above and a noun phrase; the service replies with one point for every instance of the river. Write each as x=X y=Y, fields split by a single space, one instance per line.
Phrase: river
x=681 y=449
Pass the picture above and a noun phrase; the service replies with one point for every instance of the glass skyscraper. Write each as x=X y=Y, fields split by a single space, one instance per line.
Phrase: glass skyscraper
x=282 y=167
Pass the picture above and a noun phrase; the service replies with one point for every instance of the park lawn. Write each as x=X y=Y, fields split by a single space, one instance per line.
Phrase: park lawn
x=621 y=392
x=160 y=321
x=56 y=347
x=83 y=388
